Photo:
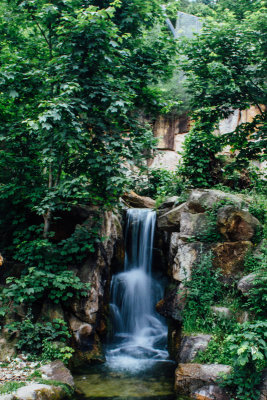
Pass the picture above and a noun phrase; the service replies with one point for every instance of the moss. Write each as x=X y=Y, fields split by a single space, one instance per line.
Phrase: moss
x=67 y=389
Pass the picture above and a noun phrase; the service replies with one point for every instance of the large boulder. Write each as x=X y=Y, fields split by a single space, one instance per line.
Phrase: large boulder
x=170 y=221
x=186 y=256
x=193 y=225
x=201 y=200
x=56 y=371
x=134 y=200
x=229 y=257
x=237 y=225
x=191 y=377
x=191 y=346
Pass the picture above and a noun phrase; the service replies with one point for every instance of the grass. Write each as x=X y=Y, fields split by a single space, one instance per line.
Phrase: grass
x=10 y=387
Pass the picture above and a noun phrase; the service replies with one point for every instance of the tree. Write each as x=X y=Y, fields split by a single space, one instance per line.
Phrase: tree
x=225 y=68
x=74 y=77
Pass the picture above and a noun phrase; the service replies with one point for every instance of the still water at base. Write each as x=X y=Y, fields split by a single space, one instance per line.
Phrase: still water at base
x=103 y=383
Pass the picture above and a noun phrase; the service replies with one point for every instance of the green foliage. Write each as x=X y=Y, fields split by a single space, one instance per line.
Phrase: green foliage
x=10 y=387
x=203 y=289
x=248 y=349
x=258 y=207
x=200 y=166
x=257 y=299
x=54 y=351
x=33 y=336
x=158 y=183
x=217 y=352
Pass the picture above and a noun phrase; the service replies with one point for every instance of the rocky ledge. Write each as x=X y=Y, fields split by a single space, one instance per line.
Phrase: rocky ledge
x=54 y=382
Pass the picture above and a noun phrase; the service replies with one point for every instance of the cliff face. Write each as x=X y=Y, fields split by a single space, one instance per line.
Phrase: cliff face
x=171 y=132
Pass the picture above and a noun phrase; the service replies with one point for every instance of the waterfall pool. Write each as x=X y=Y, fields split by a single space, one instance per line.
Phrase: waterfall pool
x=101 y=383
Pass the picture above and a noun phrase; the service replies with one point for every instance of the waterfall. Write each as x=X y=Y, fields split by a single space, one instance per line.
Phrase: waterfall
x=139 y=333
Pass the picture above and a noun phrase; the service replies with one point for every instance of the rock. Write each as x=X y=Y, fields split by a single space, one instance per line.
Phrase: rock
x=191 y=345
x=7 y=349
x=191 y=377
x=165 y=128
x=167 y=159
x=51 y=311
x=229 y=256
x=170 y=221
x=192 y=224
x=211 y=392
x=230 y=123
x=173 y=247
x=57 y=371
x=37 y=391
x=134 y=200
x=162 y=211
x=246 y=283
x=187 y=254
x=204 y=199
x=169 y=202
x=87 y=315
x=237 y=225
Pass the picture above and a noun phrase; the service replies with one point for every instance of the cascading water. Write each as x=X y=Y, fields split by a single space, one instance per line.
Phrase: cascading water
x=139 y=333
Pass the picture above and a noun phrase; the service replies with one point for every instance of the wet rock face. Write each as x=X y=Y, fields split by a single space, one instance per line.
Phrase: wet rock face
x=189 y=378
x=191 y=346
x=172 y=305
x=237 y=225
x=87 y=315
x=229 y=256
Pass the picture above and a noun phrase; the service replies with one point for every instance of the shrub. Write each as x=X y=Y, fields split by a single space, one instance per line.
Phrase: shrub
x=158 y=183
x=56 y=351
x=217 y=352
x=248 y=350
x=33 y=335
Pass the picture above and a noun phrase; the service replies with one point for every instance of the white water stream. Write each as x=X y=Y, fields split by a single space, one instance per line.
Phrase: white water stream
x=140 y=335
